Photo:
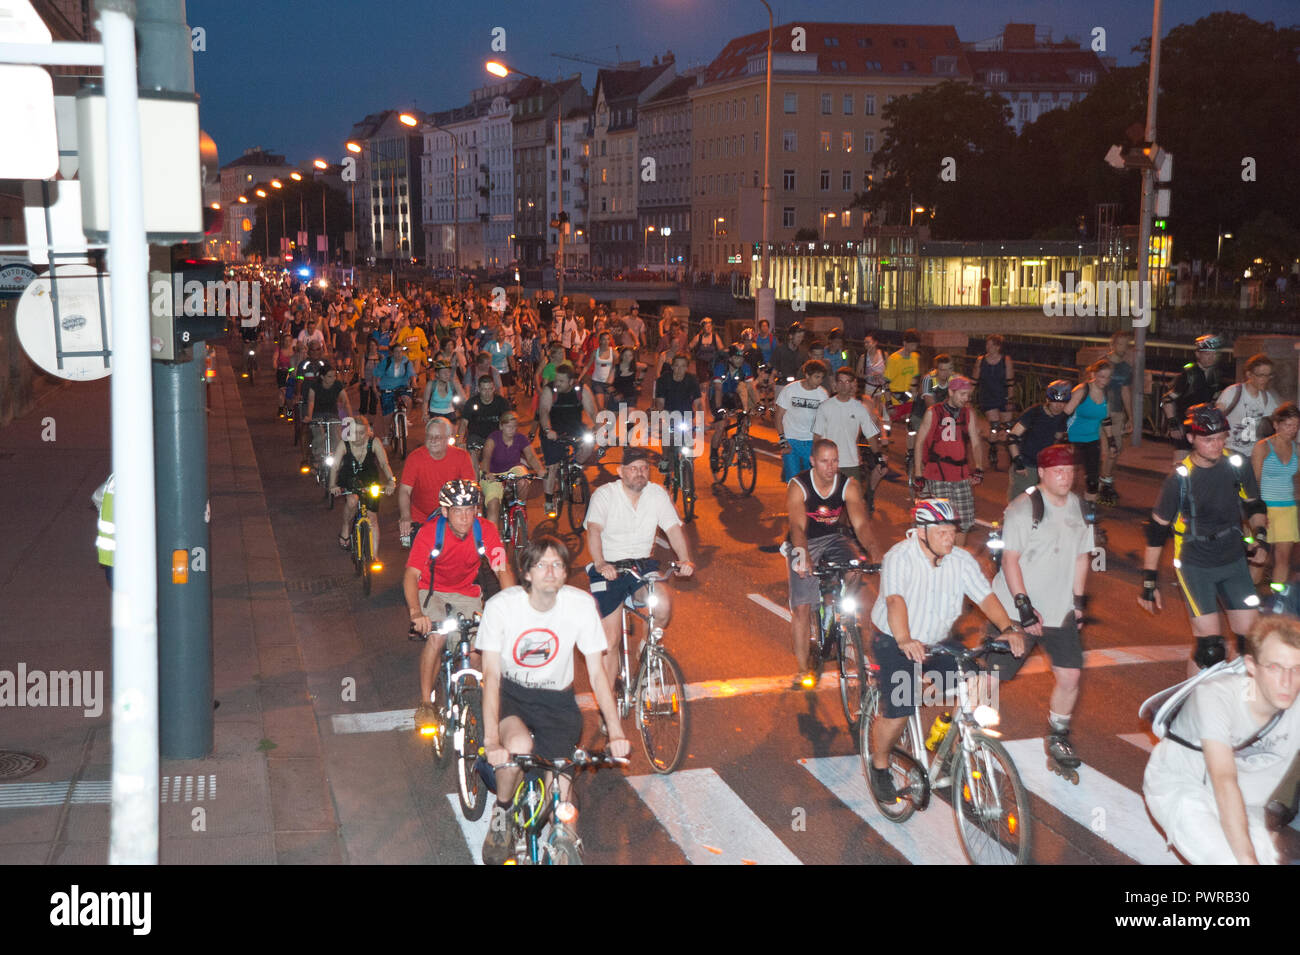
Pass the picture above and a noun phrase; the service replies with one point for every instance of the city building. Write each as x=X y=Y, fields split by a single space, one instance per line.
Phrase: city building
x=1033 y=73
x=536 y=106
x=664 y=198
x=616 y=160
x=239 y=178
x=389 y=175
x=827 y=100
x=577 y=157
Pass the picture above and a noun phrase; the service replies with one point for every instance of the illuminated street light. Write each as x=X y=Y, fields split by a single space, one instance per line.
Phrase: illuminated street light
x=406 y=119
x=320 y=164
x=497 y=68
x=243 y=199
x=276 y=184
x=261 y=193
x=296 y=176
x=353 y=147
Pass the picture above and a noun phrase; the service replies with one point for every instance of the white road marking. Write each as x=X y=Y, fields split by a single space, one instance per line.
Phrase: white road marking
x=88 y=792
x=767 y=454
x=928 y=838
x=1111 y=811
x=662 y=541
x=1143 y=741
x=766 y=604
x=708 y=821
x=474 y=832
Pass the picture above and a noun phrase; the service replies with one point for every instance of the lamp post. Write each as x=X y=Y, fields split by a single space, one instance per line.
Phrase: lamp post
x=497 y=68
x=455 y=203
x=353 y=147
x=261 y=193
x=322 y=165
x=296 y=176
x=1217 y=252
x=765 y=297
x=284 y=223
x=645 y=245
x=665 y=232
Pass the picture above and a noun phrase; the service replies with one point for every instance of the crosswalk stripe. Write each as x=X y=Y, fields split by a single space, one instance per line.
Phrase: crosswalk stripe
x=474 y=832
x=928 y=838
x=766 y=604
x=708 y=821
x=1142 y=741
x=1113 y=812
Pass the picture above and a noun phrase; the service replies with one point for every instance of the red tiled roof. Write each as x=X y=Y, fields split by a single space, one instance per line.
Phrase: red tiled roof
x=862 y=48
x=1056 y=67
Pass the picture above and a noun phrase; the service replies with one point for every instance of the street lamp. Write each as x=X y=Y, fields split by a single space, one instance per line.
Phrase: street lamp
x=645 y=245
x=765 y=297
x=1217 y=252
x=665 y=232
x=497 y=68
x=284 y=224
x=353 y=147
x=266 y=221
x=322 y=165
x=916 y=210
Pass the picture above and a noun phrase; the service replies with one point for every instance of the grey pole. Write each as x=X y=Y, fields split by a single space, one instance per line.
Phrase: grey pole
x=1144 y=238
x=765 y=297
x=181 y=461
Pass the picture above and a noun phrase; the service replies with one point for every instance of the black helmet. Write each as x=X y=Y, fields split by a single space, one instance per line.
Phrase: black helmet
x=735 y=351
x=460 y=493
x=1205 y=419
x=1209 y=343
x=1058 y=390
x=795 y=328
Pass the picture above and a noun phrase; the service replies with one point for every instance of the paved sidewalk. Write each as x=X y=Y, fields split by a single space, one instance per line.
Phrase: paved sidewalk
x=261 y=796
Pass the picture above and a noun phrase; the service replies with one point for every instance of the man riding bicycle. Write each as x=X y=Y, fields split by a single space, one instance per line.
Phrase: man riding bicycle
x=560 y=412
x=732 y=390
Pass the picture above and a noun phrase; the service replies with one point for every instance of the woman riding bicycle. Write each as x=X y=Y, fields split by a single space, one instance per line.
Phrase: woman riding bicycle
x=359 y=463
x=505 y=449
x=443 y=396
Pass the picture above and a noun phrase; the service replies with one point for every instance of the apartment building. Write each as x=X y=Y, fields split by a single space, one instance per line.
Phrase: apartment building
x=664 y=201
x=389 y=186
x=572 y=171
x=536 y=107
x=238 y=178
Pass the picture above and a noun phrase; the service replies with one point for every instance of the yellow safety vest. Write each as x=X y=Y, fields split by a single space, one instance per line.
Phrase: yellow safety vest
x=104 y=541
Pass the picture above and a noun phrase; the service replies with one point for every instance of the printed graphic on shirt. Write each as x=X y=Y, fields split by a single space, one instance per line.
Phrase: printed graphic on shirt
x=535 y=648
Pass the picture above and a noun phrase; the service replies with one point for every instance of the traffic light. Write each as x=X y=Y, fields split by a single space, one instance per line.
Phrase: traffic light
x=192 y=303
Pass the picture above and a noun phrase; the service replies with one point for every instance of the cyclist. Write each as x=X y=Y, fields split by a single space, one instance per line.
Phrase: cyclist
x=426 y=470
x=437 y=576
x=1040 y=426
x=677 y=392
x=527 y=637
x=358 y=463
x=705 y=348
x=1202 y=504
x=504 y=450
x=765 y=341
x=796 y=409
x=412 y=339
x=1209 y=781
x=1201 y=381
x=560 y=412
x=842 y=419
x=622 y=521
x=396 y=375
x=789 y=356
x=924 y=581
x=995 y=383
x=836 y=355
x=944 y=466
x=481 y=417
x=443 y=396
x=284 y=378
x=1044 y=574
x=501 y=351
x=870 y=368
x=818 y=500
x=324 y=398
x=305 y=375
x=732 y=390
x=902 y=371
x=1119 y=405
x=599 y=368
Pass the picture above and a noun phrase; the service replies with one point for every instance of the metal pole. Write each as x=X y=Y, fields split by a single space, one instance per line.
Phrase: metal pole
x=324 y=229
x=133 y=827
x=455 y=216
x=559 y=192
x=1144 y=239
x=765 y=297
x=392 y=261
x=353 y=188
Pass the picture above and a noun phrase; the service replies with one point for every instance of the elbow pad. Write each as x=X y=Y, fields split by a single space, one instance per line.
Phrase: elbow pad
x=1157 y=533
x=1106 y=422
x=1255 y=506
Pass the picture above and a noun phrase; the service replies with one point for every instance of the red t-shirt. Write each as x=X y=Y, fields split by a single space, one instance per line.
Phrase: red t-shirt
x=425 y=477
x=457 y=566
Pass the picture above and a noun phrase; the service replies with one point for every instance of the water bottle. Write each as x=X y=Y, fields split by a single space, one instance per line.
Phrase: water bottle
x=938 y=730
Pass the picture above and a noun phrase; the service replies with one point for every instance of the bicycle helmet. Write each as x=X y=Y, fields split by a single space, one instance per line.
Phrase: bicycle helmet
x=1205 y=419
x=440 y=364
x=795 y=328
x=1059 y=390
x=460 y=493
x=735 y=351
x=934 y=510
x=1209 y=343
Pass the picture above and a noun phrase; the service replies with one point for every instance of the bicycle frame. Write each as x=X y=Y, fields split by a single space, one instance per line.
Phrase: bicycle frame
x=964 y=727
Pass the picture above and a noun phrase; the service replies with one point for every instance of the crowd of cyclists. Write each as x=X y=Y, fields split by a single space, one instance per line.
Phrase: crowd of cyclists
x=484 y=377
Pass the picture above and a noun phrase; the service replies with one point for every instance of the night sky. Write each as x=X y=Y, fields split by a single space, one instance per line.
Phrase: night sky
x=293 y=78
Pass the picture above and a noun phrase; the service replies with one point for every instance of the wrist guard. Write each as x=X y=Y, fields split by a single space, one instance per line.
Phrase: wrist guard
x=1018 y=462
x=1026 y=608
x=1081 y=603
x=1148 y=584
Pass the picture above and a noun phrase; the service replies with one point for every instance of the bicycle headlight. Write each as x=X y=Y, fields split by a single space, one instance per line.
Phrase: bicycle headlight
x=448 y=626
x=455 y=399
x=587 y=438
x=684 y=426
x=329 y=461
x=848 y=605
x=986 y=716
x=996 y=543
x=652 y=601
x=567 y=813
x=373 y=490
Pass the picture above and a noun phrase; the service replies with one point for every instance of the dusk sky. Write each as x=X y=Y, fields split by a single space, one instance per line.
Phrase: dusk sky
x=293 y=78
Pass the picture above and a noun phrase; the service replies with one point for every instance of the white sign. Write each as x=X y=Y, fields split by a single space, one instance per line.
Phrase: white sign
x=29 y=148
x=64 y=323
x=52 y=216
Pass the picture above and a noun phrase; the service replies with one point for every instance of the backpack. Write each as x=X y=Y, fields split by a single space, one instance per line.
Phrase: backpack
x=1164 y=707
x=1039 y=508
x=1186 y=513
x=1264 y=428
x=928 y=454
x=487 y=579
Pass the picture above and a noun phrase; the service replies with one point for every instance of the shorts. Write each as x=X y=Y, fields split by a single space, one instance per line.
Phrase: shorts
x=599 y=388
x=553 y=451
x=1189 y=815
x=281 y=376
x=507 y=378
x=460 y=603
x=1090 y=451
x=552 y=716
x=1202 y=586
x=959 y=495
x=807 y=590
x=492 y=490
x=799 y=459
x=1282 y=524
x=899 y=678
x=610 y=594
x=1063 y=645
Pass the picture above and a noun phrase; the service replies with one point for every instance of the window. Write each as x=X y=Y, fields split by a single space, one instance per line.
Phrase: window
x=755 y=178
x=826 y=104
x=945 y=64
x=846 y=180
x=866 y=180
x=869 y=104
x=602 y=147
x=996 y=77
x=832 y=41
x=826 y=180
x=755 y=104
x=742 y=109
x=787 y=217
x=1024 y=112
x=792 y=102
x=864 y=42
x=848 y=104
x=787 y=180
x=756 y=143
x=740 y=145
x=900 y=42
x=825 y=140
x=789 y=141
x=602 y=204
x=846 y=142
x=869 y=142
x=844 y=218
x=908 y=66
x=1087 y=77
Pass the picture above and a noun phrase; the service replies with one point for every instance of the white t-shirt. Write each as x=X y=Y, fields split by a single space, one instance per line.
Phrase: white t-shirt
x=536 y=648
x=627 y=531
x=842 y=421
x=1244 y=418
x=934 y=595
x=1217 y=710
x=800 y=406
x=305 y=338
x=1047 y=556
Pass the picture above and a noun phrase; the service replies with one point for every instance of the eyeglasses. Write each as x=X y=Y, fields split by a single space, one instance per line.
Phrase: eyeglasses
x=1275 y=671
x=555 y=566
x=1262 y=374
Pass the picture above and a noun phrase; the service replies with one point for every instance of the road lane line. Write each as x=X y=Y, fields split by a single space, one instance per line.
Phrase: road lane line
x=766 y=604
x=474 y=832
x=928 y=838
x=708 y=821
x=1111 y=811
x=768 y=454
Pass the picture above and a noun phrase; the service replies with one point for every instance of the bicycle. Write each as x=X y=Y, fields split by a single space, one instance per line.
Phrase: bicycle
x=362 y=548
x=658 y=690
x=738 y=449
x=834 y=629
x=680 y=474
x=325 y=434
x=458 y=701
x=537 y=801
x=514 y=509
x=573 y=489
x=250 y=361
x=989 y=800
x=391 y=403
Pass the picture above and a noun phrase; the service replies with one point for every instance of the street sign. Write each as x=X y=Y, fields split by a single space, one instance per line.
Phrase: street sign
x=29 y=148
x=52 y=217
x=14 y=278
x=63 y=323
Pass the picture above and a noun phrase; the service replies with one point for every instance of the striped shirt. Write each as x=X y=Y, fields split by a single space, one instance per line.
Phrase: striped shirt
x=933 y=595
x=1277 y=480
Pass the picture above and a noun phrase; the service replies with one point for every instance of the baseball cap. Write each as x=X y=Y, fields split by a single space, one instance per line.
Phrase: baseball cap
x=631 y=455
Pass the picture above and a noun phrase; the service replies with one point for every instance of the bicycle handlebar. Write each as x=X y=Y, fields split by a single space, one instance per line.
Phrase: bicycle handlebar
x=829 y=568
x=629 y=566
x=580 y=759
x=966 y=655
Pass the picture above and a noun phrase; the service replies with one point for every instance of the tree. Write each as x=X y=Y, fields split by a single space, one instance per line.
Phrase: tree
x=805 y=235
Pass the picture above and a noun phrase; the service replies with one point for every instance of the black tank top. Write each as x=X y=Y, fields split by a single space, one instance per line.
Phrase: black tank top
x=823 y=513
x=566 y=412
x=354 y=473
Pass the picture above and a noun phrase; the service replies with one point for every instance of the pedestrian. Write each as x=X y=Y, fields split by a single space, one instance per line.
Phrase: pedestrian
x=1119 y=406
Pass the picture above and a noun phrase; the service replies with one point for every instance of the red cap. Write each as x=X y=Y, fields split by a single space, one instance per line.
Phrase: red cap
x=1056 y=456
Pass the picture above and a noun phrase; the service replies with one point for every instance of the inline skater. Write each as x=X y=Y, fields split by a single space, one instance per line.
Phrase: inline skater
x=1089 y=422
x=1119 y=406
x=1040 y=426
x=995 y=384
x=1200 y=382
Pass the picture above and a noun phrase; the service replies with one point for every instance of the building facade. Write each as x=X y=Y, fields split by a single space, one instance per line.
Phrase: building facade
x=664 y=199
x=239 y=178
x=389 y=188
x=572 y=172
x=536 y=107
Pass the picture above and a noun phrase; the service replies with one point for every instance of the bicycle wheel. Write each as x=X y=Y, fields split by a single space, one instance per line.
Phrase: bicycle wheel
x=399 y=436
x=688 y=487
x=472 y=790
x=991 y=805
x=441 y=740
x=672 y=481
x=519 y=530
x=720 y=462
x=746 y=470
x=579 y=496
x=661 y=709
x=853 y=673
x=363 y=547
x=561 y=849
x=910 y=779
x=356 y=545
x=815 y=647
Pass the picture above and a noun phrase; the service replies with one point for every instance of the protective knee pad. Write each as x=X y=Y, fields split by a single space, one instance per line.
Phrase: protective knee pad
x=1209 y=651
x=1092 y=484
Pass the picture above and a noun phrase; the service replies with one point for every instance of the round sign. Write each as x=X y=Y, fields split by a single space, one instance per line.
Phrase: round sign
x=15 y=278
x=64 y=324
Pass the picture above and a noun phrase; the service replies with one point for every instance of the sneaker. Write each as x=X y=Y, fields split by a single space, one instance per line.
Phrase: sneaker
x=882 y=786
x=497 y=843
x=426 y=717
